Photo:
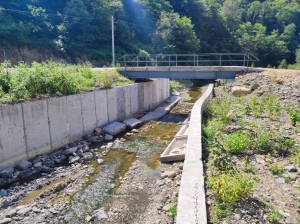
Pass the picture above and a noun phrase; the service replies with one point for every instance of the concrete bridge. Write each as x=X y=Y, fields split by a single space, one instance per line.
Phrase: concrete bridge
x=186 y=66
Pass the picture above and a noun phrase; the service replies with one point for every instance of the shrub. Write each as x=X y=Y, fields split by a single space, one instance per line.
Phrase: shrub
x=255 y=106
x=263 y=141
x=237 y=142
x=231 y=186
x=273 y=107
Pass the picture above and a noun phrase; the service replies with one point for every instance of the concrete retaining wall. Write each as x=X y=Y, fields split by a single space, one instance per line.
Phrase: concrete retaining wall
x=191 y=201
x=32 y=128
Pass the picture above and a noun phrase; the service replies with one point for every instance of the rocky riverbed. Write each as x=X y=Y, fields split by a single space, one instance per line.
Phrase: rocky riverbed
x=99 y=179
x=276 y=196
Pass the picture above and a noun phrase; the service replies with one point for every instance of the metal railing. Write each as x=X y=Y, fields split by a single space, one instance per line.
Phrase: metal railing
x=205 y=59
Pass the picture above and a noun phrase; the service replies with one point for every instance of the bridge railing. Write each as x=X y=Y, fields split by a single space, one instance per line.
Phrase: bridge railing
x=205 y=59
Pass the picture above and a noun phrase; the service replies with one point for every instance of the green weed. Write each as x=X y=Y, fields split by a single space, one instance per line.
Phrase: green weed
x=256 y=106
x=294 y=116
x=237 y=142
x=273 y=107
x=218 y=211
x=263 y=141
x=276 y=169
x=256 y=178
x=173 y=212
x=231 y=186
x=275 y=216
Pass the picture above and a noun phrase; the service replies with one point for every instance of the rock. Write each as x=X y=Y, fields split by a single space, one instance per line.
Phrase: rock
x=57 y=161
x=290 y=221
x=86 y=148
x=5 y=220
x=280 y=180
x=36 y=210
x=132 y=123
x=11 y=212
x=114 y=128
x=87 y=156
x=254 y=86
x=87 y=137
x=99 y=215
x=23 y=165
x=88 y=218
x=171 y=174
x=24 y=211
x=291 y=168
x=17 y=173
x=160 y=183
x=46 y=169
x=98 y=130
x=292 y=176
x=108 y=137
x=167 y=207
x=242 y=222
x=58 y=94
x=135 y=131
x=181 y=166
x=74 y=159
x=7 y=172
x=79 y=152
x=3 y=192
x=38 y=164
x=63 y=157
x=99 y=161
x=109 y=145
x=70 y=151
x=238 y=90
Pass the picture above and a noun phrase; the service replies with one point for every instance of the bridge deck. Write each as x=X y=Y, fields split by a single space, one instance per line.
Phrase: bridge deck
x=184 y=72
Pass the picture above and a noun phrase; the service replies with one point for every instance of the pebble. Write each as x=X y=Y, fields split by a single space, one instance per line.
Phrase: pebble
x=24 y=211
x=160 y=183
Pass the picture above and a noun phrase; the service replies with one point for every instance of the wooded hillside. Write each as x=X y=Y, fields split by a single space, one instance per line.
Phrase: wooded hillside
x=268 y=29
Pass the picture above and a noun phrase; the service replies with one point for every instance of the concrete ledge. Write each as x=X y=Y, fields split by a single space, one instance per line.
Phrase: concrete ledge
x=191 y=200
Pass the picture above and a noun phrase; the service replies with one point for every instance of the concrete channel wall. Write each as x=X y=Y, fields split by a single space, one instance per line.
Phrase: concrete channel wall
x=191 y=201
x=36 y=127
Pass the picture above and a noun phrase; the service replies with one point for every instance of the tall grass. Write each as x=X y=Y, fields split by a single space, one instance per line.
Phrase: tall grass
x=24 y=81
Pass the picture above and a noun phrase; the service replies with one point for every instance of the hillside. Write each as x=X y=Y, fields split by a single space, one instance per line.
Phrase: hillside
x=81 y=29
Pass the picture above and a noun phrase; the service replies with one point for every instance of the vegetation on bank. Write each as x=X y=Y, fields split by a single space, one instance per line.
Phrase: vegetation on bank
x=268 y=29
x=24 y=81
x=227 y=133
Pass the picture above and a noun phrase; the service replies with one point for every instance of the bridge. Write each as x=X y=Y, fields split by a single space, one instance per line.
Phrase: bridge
x=185 y=66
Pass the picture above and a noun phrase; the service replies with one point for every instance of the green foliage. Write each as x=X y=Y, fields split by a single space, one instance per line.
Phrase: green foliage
x=173 y=212
x=27 y=81
x=275 y=216
x=276 y=169
x=294 y=116
x=231 y=186
x=256 y=106
x=218 y=211
x=175 y=85
x=263 y=141
x=273 y=107
x=283 y=64
x=237 y=142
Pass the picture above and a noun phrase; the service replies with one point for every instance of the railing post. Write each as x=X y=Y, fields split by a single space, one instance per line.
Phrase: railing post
x=146 y=60
x=194 y=60
x=169 y=61
x=156 y=60
x=220 y=59
x=197 y=59
x=248 y=60
x=125 y=60
x=137 y=61
x=244 y=60
x=176 y=60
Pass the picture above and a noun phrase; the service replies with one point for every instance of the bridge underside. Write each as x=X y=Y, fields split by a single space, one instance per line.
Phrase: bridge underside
x=184 y=72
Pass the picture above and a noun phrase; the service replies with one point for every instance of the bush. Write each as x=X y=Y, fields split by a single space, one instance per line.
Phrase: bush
x=231 y=186
x=173 y=212
x=276 y=169
x=237 y=142
x=263 y=141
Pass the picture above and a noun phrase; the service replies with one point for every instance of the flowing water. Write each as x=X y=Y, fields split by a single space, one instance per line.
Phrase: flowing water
x=147 y=145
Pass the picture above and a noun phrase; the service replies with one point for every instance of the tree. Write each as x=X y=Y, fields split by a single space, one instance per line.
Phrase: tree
x=175 y=34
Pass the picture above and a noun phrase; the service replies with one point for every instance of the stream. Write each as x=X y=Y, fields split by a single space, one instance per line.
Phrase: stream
x=76 y=191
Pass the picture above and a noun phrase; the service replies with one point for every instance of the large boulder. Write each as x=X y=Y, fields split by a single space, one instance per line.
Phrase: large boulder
x=7 y=172
x=114 y=128
x=23 y=165
x=239 y=90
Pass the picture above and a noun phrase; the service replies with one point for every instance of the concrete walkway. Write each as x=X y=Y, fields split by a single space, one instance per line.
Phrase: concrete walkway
x=191 y=201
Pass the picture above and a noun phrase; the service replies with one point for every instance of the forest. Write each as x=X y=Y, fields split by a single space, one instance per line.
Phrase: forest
x=268 y=29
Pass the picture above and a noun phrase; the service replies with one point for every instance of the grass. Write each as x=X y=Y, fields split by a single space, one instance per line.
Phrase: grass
x=176 y=85
x=25 y=81
x=231 y=186
x=237 y=142
x=173 y=212
x=276 y=169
